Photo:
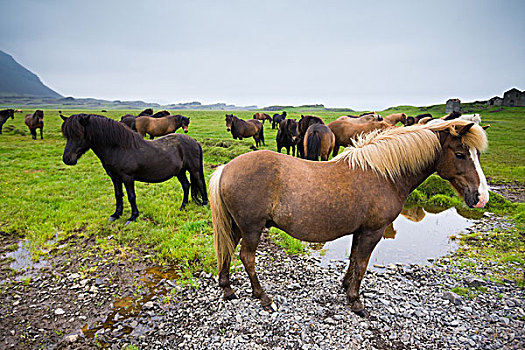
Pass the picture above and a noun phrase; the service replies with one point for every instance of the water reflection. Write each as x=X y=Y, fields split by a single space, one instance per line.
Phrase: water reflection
x=416 y=235
x=21 y=261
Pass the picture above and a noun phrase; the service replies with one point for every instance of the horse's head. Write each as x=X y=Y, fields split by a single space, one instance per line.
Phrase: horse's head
x=39 y=115
x=410 y=121
x=229 y=121
x=291 y=127
x=185 y=122
x=74 y=130
x=459 y=162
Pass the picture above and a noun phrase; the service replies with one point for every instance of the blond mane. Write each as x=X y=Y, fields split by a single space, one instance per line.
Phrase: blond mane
x=396 y=152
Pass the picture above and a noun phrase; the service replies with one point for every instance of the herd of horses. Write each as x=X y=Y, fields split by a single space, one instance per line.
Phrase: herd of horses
x=359 y=192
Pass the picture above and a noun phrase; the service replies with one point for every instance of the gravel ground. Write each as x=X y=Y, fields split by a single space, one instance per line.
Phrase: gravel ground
x=411 y=307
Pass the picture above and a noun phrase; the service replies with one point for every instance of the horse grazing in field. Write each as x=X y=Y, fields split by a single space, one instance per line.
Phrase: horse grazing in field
x=365 y=118
x=262 y=117
x=160 y=114
x=277 y=119
x=319 y=141
x=241 y=128
x=147 y=111
x=303 y=125
x=129 y=120
x=287 y=136
x=127 y=158
x=4 y=115
x=368 y=184
x=393 y=119
x=345 y=132
x=161 y=126
x=35 y=121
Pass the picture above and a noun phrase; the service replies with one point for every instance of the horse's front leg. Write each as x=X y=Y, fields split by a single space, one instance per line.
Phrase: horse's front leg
x=41 y=133
x=117 y=184
x=363 y=243
x=185 y=187
x=130 y=190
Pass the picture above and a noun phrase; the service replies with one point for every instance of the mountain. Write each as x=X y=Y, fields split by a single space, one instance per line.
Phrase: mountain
x=17 y=81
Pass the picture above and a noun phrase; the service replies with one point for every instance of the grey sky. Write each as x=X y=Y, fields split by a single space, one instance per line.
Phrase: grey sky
x=365 y=55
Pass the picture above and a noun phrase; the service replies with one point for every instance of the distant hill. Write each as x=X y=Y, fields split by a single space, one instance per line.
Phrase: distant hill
x=17 y=81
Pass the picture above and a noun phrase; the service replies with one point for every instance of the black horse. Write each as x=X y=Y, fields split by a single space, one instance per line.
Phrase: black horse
x=127 y=158
x=416 y=119
x=303 y=124
x=4 y=115
x=287 y=136
x=277 y=118
x=147 y=111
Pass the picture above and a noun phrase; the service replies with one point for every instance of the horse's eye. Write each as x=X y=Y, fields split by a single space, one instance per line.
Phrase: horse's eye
x=460 y=155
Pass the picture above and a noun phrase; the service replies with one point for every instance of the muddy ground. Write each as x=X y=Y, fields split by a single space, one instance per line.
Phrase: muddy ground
x=81 y=290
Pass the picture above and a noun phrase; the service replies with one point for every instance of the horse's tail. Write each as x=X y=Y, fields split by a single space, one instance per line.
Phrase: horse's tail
x=313 y=145
x=261 y=135
x=222 y=221
x=198 y=184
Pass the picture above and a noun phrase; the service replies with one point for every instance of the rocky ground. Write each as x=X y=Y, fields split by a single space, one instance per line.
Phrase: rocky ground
x=89 y=294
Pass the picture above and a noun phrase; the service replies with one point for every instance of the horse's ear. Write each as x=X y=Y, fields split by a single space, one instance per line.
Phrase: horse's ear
x=463 y=129
x=485 y=127
x=84 y=120
x=63 y=117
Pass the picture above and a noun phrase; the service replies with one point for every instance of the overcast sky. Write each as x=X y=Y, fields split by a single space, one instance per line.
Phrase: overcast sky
x=363 y=55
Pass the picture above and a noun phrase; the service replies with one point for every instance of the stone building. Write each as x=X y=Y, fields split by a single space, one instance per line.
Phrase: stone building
x=453 y=105
x=514 y=98
x=496 y=101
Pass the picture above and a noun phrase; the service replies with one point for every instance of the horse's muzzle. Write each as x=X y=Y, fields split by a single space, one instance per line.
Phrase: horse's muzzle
x=185 y=130
x=228 y=129
x=68 y=160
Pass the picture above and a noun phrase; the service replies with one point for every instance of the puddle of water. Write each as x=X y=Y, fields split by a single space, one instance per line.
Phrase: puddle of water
x=130 y=306
x=22 y=263
x=414 y=237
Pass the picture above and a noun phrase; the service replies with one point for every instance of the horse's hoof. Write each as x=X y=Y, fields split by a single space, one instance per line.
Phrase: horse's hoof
x=112 y=218
x=361 y=313
x=270 y=308
x=129 y=222
x=182 y=208
x=230 y=297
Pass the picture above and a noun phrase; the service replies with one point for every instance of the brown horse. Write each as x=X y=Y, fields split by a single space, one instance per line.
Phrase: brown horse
x=287 y=136
x=245 y=128
x=35 y=121
x=4 y=115
x=161 y=126
x=262 y=116
x=319 y=140
x=303 y=124
x=346 y=132
x=372 y=117
x=360 y=193
x=393 y=119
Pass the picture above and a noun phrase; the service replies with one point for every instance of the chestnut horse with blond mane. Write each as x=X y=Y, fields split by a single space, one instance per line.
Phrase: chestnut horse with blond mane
x=360 y=192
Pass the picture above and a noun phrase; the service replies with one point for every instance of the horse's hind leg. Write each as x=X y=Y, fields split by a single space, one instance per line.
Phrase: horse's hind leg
x=363 y=243
x=224 y=274
x=41 y=133
x=248 y=248
x=185 y=187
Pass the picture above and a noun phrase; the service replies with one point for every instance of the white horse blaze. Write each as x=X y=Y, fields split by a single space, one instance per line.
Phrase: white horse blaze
x=483 y=188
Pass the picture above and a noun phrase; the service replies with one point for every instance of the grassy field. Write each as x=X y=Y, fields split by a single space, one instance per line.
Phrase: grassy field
x=43 y=200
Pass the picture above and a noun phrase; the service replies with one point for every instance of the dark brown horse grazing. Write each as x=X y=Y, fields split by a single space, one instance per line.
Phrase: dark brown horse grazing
x=368 y=184
x=4 y=115
x=241 y=128
x=262 y=117
x=416 y=119
x=372 y=117
x=287 y=136
x=346 y=132
x=319 y=141
x=277 y=119
x=303 y=124
x=129 y=121
x=127 y=158
x=35 y=121
x=147 y=111
x=161 y=126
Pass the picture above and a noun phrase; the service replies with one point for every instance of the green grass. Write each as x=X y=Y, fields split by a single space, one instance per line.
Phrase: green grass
x=43 y=199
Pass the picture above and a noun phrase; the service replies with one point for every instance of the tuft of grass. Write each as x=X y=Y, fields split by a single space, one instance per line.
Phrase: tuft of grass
x=287 y=242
